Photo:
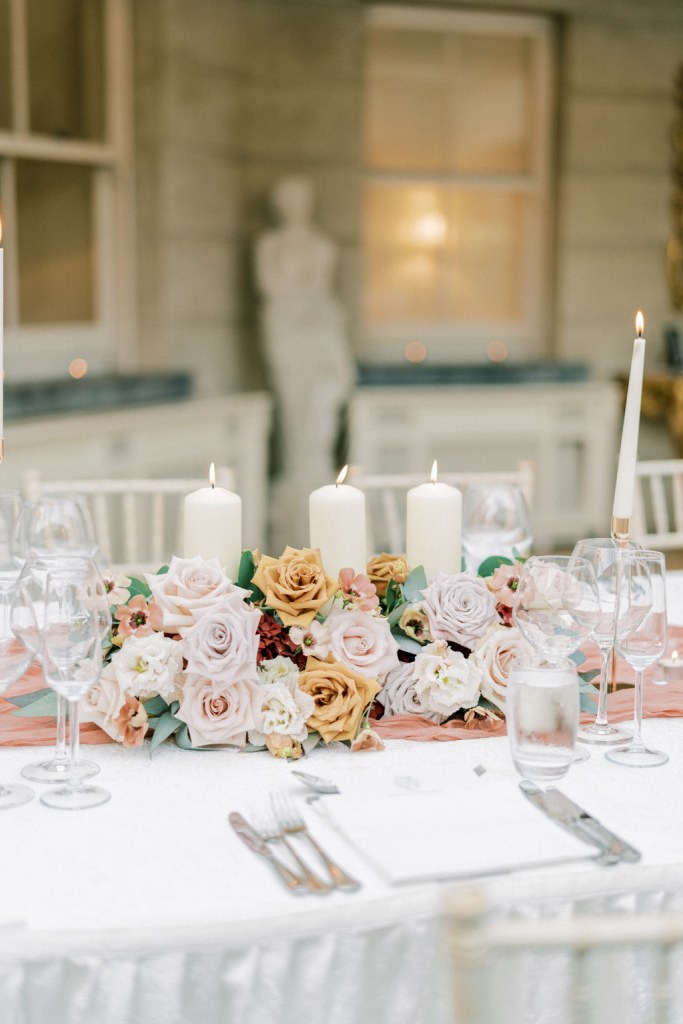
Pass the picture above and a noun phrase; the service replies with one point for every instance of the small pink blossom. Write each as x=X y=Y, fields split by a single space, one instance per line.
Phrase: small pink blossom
x=314 y=639
x=138 y=618
x=131 y=722
x=504 y=582
x=367 y=739
x=358 y=591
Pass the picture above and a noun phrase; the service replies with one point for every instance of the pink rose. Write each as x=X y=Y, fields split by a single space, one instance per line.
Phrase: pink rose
x=363 y=642
x=224 y=643
x=190 y=588
x=460 y=608
x=103 y=702
x=495 y=654
x=220 y=714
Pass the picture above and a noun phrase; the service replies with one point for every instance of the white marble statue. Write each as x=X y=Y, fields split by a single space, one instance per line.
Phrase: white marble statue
x=309 y=360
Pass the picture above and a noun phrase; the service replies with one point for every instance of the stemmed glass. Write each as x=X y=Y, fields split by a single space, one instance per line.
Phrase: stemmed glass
x=55 y=527
x=557 y=604
x=15 y=658
x=72 y=664
x=603 y=554
x=495 y=520
x=640 y=640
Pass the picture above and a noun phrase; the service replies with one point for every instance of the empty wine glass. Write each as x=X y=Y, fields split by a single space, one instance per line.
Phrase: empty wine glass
x=10 y=511
x=640 y=640
x=557 y=604
x=603 y=555
x=495 y=521
x=72 y=664
x=55 y=526
x=15 y=658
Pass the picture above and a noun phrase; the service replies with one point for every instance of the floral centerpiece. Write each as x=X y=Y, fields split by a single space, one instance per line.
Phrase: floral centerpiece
x=286 y=657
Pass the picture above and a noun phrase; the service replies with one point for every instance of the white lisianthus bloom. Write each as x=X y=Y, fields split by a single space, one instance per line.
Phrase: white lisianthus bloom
x=313 y=639
x=277 y=670
x=446 y=681
x=286 y=709
x=150 y=665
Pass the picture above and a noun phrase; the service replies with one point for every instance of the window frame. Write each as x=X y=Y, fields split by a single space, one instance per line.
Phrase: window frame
x=108 y=342
x=458 y=341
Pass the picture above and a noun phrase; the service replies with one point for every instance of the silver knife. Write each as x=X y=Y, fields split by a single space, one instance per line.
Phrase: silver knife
x=250 y=837
x=580 y=823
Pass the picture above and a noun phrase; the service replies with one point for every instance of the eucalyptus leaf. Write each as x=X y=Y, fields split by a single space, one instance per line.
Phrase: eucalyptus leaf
x=414 y=585
x=156 y=706
x=22 y=700
x=590 y=675
x=489 y=565
x=393 y=595
x=44 y=706
x=250 y=748
x=587 y=703
x=407 y=644
x=166 y=726
x=395 y=616
x=311 y=741
x=182 y=739
x=246 y=571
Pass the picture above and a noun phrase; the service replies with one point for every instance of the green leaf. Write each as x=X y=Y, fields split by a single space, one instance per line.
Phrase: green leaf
x=166 y=726
x=393 y=596
x=414 y=585
x=21 y=700
x=250 y=748
x=182 y=739
x=578 y=657
x=138 y=587
x=587 y=703
x=246 y=570
x=395 y=616
x=311 y=741
x=156 y=706
x=407 y=644
x=590 y=675
x=45 y=705
x=489 y=565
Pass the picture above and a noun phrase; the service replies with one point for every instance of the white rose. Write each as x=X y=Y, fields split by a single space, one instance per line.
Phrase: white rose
x=149 y=665
x=277 y=670
x=188 y=590
x=495 y=654
x=103 y=702
x=460 y=608
x=363 y=641
x=286 y=710
x=446 y=681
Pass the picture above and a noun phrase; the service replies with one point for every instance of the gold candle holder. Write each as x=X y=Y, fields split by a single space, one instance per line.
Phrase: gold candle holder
x=621 y=530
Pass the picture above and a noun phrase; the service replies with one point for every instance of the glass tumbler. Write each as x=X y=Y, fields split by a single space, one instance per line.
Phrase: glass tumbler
x=542 y=711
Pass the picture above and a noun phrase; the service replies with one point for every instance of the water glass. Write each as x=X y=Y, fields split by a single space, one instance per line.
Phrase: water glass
x=495 y=521
x=542 y=711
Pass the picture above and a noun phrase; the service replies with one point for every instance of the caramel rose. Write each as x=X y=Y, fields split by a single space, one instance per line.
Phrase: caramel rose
x=340 y=696
x=295 y=584
x=384 y=567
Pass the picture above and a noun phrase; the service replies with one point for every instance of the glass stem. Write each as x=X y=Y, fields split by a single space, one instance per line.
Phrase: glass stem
x=637 y=740
x=601 y=717
x=74 y=743
x=61 y=754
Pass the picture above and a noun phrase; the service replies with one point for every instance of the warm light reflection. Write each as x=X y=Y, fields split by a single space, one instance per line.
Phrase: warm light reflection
x=78 y=368
x=430 y=229
x=640 y=323
x=212 y=475
x=0 y=230
x=497 y=351
x=415 y=352
x=434 y=474
x=674 y=655
x=342 y=475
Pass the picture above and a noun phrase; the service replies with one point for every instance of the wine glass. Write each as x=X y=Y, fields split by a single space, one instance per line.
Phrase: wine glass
x=603 y=555
x=557 y=604
x=10 y=512
x=640 y=640
x=15 y=658
x=495 y=520
x=72 y=664
x=53 y=527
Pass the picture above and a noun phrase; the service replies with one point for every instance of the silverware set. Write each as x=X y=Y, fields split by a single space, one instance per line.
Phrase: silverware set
x=283 y=839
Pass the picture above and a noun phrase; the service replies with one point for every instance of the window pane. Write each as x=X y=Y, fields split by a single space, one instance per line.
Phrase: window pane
x=66 y=68
x=438 y=254
x=5 y=69
x=55 y=243
x=449 y=102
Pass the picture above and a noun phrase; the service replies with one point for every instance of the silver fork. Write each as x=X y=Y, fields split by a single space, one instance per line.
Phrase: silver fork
x=271 y=831
x=290 y=821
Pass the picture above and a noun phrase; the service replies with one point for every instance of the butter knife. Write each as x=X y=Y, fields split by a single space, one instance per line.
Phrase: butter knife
x=580 y=823
x=250 y=837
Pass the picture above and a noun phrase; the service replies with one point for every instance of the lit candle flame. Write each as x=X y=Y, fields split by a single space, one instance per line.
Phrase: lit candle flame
x=674 y=655
x=640 y=323
x=342 y=475
x=212 y=475
x=433 y=476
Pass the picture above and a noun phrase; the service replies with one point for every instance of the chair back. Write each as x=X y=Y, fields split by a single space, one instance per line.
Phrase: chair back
x=578 y=969
x=138 y=523
x=658 y=504
x=386 y=498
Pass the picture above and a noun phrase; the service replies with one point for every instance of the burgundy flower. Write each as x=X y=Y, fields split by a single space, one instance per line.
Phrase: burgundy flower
x=275 y=640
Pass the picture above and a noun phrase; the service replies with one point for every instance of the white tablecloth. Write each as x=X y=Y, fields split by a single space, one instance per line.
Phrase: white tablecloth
x=148 y=908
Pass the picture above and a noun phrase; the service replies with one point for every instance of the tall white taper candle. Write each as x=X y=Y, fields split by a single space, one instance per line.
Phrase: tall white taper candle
x=628 y=453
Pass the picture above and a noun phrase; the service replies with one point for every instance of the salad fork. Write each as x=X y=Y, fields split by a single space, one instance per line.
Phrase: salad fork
x=272 y=832
x=292 y=824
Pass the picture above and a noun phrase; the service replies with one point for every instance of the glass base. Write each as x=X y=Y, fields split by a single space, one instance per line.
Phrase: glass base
x=14 y=796
x=637 y=757
x=580 y=754
x=76 y=798
x=54 y=770
x=603 y=734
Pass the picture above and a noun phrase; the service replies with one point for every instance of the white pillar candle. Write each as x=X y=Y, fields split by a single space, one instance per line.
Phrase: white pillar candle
x=213 y=525
x=337 y=526
x=434 y=527
x=628 y=453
